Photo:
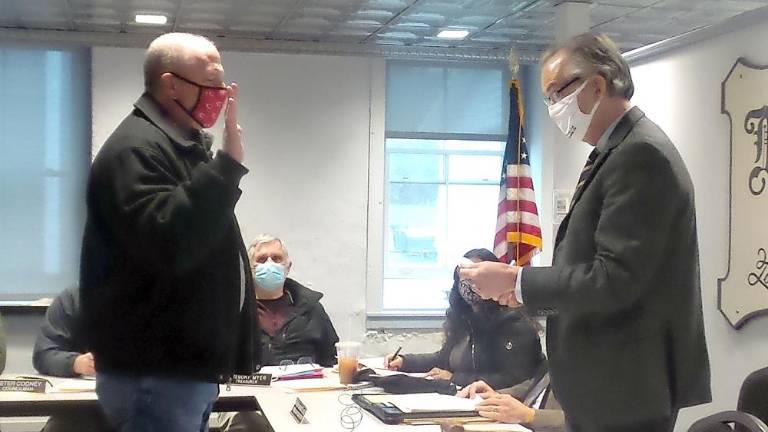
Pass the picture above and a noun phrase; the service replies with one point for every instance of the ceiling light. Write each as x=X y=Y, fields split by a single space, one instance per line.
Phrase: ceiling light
x=151 y=19
x=453 y=34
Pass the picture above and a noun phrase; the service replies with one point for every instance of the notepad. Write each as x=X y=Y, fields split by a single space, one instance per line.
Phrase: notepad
x=429 y=402
x=290 y=372
x=317 y=385
x=377 y=363
x=73 y=386
x=494 y=427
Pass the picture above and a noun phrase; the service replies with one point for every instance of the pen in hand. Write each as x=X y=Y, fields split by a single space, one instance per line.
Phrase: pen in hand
x=394 y=357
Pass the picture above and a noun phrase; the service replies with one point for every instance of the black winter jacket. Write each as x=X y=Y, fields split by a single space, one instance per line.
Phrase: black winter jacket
x=499 y=346
x=307 y=332
x=163 y=285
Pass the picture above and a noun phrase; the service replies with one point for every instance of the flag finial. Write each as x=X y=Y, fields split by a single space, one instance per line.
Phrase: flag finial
x=514 y=63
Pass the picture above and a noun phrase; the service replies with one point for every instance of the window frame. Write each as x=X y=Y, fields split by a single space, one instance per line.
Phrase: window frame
x=21 y=299
x=377 y=316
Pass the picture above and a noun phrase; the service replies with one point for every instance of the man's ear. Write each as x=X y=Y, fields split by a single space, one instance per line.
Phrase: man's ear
x=601 y=86
x=288 y=267
x=167 y=85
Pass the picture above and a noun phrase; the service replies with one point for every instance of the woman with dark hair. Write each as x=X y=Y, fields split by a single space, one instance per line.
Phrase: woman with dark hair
x=483 y=341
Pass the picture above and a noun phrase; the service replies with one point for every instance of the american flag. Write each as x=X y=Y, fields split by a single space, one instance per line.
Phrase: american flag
x=518 y=233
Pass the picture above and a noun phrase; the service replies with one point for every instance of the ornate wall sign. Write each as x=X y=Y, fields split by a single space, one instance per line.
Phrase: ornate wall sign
x=743 y=292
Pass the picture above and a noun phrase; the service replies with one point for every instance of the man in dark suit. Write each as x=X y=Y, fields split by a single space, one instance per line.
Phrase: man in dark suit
x=625 y=334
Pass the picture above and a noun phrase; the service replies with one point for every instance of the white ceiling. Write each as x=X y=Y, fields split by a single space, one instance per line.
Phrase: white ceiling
x=526 y=25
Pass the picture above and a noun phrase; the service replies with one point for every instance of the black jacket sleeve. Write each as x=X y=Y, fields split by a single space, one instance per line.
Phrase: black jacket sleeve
x=326 y=354
x=55 y=347
x=157 y=212
x=425 y=362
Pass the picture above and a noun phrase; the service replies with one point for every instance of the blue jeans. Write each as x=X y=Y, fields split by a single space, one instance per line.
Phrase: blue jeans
x=155 y=404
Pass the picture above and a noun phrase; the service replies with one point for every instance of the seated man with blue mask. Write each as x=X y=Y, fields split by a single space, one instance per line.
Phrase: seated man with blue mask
x=293 y=324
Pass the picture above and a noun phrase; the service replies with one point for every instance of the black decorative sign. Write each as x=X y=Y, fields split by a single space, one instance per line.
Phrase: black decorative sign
x=257 y=379
x=23 y=385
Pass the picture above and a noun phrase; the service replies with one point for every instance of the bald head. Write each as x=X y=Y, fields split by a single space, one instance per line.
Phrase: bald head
x=174 y=52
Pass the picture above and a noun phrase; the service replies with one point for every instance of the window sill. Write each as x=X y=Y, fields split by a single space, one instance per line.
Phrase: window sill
x=405 y=320
x=10 y=307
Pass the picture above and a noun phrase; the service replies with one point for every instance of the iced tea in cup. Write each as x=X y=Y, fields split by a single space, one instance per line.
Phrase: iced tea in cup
x=347 y=353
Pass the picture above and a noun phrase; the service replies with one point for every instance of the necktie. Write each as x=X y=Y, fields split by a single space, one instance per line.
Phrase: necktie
x=587 y=169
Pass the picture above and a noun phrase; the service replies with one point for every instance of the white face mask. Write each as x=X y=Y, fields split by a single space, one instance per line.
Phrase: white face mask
x=568 y=116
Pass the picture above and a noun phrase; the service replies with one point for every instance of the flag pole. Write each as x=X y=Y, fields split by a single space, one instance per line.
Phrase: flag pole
x=514 y=69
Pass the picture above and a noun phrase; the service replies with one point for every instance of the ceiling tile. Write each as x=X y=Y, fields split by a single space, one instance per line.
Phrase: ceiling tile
x=492 y=23
x=363 y=24
x=391 y=5
x=432 y=19
x=603 y=13
x=158 y=5
x=627 y=3
x=374 y=14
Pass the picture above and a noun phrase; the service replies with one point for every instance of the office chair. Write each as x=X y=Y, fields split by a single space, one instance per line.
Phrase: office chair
x=752 y=407
x=753 y=397
x=719 y=422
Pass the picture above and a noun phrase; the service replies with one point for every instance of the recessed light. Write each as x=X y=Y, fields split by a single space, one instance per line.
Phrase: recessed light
x=151 y=19
x=453 y=34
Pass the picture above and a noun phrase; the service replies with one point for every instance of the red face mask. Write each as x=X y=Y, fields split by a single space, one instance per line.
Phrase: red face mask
x=210 y=101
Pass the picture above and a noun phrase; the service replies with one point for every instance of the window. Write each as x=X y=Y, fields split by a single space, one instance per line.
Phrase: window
x=46 y=141
x=445 y=128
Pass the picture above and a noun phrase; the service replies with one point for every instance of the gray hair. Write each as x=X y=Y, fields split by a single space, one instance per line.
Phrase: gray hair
x=167 y=52
x=265 y=238
x=593 y=54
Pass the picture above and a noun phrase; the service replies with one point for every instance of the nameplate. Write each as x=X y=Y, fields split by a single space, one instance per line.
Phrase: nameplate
x=257 y=379
x=299 y=412
x=23 y=385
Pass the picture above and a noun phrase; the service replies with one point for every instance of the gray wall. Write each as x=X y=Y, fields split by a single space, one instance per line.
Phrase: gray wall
x=21 y=329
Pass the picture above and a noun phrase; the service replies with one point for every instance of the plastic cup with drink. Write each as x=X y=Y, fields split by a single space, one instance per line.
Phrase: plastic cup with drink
x=347 y=353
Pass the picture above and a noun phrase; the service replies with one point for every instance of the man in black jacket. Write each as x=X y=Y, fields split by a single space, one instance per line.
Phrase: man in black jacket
x=167 y=301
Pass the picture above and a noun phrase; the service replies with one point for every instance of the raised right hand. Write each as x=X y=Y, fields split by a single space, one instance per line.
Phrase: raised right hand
x=393 y=364
x=233 y=133
x=477 y=388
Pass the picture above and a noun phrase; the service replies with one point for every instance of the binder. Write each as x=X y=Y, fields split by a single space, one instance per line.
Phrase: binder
x=389 y=413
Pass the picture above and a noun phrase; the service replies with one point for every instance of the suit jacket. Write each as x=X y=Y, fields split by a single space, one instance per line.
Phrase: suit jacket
x=549 y=416
x=625 y=334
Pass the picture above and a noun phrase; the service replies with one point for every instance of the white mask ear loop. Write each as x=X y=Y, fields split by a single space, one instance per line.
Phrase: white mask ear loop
x=568 y=116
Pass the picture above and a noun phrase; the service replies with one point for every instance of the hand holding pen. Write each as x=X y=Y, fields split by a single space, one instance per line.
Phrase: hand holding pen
x=394 y=361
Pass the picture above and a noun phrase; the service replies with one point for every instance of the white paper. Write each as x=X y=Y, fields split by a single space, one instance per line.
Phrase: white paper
x=494 y=427
x=420 y=402
x=377 y=364
x=279 y=371
x=73 y=386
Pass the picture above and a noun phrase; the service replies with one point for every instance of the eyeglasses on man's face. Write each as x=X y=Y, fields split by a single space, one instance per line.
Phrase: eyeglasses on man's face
x=561 y=92
x=277 y=258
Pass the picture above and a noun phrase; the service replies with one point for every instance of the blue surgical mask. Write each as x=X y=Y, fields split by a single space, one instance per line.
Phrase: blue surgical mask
x=269 y=276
